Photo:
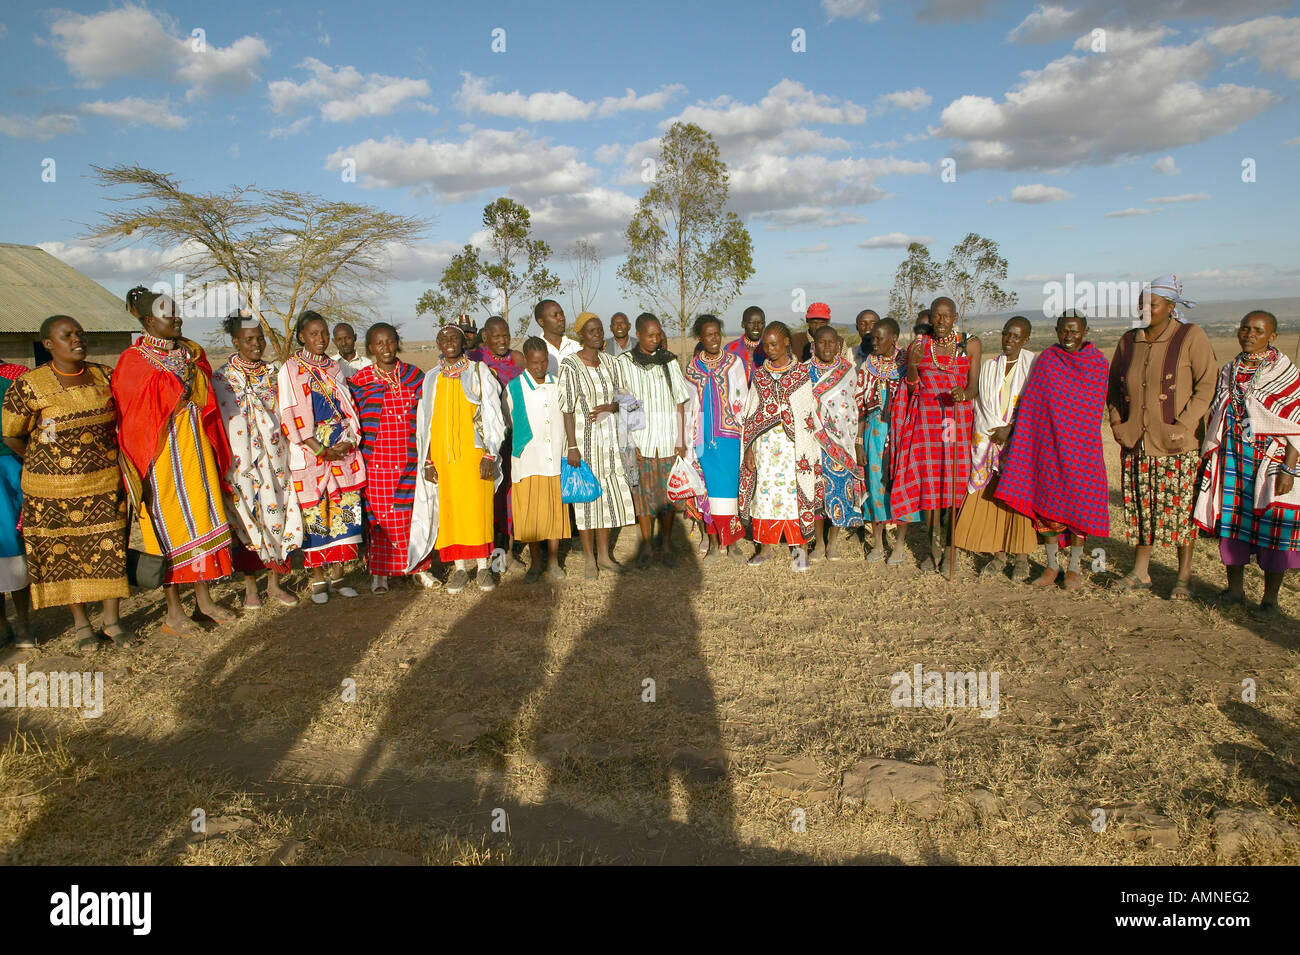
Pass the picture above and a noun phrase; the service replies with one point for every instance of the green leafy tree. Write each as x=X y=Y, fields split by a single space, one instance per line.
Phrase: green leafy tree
x=282 y=250
x=515 y=262
x=973 y=275
x=460 y=290
x=686 y=253
x=916 y=277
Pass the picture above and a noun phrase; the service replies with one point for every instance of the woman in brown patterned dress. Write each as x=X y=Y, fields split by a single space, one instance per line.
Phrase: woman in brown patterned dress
x=60 y=418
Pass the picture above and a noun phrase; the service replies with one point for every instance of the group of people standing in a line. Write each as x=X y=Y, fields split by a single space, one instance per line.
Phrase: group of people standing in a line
x=777 y=436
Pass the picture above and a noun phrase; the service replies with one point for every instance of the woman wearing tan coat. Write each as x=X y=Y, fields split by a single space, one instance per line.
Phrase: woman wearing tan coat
x=1161 y=385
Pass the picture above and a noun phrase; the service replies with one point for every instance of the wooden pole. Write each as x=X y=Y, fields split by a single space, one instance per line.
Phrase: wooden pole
x=952 y=506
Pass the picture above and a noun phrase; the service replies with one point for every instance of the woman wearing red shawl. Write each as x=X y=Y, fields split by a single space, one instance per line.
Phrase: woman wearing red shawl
x=932 y=449
x=506 y=365
x=1052 y=469
x=320 y=420
x=1248 y=496
x=174 y=454
x=386 y=394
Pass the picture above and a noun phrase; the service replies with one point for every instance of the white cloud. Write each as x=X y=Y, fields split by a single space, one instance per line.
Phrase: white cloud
x=293 y=129
x=134 y=41
x=777 y=122
x=40 y=128
x=768 y=181
x=1035 y=193
x=135 y=111
x=894 y=240
x=1050 y=22
x=597 y=214
x=135 y=263
x=1274 y=41
x=485 y=159
x=868 y=10
x=1124 y=213
x=817 y=249
x=1165 y=166
x=1293 y=141
x=1094 y=109
x=913 y=99
x=1185 y=197
x=422 y=262
x=346 y=94
x=556 y=107
x=808 y=217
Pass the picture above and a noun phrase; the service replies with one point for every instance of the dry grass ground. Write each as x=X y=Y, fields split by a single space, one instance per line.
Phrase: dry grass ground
x=530 y=700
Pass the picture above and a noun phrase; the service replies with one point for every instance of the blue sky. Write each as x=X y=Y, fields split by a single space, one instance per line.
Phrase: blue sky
x=1116 y=165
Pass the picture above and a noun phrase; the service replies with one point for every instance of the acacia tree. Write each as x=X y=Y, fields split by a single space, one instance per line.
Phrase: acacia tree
x=584 y=261
x=517 y=262
x=686 y=252
x=916 y=276
x=972 y=275
x=281 y=249
x=461 y=288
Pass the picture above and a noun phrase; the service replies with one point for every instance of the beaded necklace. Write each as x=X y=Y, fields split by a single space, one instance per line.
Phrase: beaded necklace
x=454 y=369
x=161 y=344
x=393 y=380
x=308 y=358
x=248 y=367
x=781 y=369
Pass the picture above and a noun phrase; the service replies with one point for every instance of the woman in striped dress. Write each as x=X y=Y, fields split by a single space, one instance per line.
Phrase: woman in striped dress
x=175 y=454
x=387 y=394
x=589 y=383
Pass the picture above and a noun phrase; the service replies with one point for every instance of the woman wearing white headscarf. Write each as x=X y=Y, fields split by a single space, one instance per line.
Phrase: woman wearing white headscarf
x=459 y=427
x=1161 y=384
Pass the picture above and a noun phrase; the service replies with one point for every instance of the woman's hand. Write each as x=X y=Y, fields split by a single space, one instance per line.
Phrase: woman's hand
x=575 y=458
x=1000 y=435
x=487 y=467
x=861 y=454
x=430 y=472
x=602 y=409
x=959 y=394
x=1283 y=483
x=680 y=450
x=749 y=458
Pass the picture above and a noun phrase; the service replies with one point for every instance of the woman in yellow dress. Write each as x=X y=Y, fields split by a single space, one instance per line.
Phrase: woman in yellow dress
x=459 y=429
x=174 y=454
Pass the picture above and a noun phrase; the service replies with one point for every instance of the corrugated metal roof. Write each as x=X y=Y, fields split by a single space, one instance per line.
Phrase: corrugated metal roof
x=35 y=285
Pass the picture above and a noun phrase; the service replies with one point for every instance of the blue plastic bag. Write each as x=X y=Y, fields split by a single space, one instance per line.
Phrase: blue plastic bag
x=578 y=485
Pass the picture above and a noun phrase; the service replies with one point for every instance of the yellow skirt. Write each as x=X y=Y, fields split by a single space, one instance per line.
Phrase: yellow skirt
x=986 y=525
x=185 y=520
x=540 y=515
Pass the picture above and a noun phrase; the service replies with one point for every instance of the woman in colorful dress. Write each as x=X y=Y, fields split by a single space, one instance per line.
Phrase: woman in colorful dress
x=1162 y=380
x=320 y=421
x=13 y=554
x=835 y=386
x=933 y=465
x=782 y=440
x=387 y=393
x=1052 y=469
x=883 y=399
x=985 y=525
x=651 y=374
x=589 y=385
x=720 y=386
x=459 y=429
x=1248 y=496
x=507 y=365
x=263 y=508
x=175 y=455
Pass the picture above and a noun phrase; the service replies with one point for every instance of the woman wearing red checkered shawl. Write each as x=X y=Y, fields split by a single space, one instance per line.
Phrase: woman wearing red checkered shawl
x=1248 y=496
x=387 y=394
x=932 y=449
x=1053 y=469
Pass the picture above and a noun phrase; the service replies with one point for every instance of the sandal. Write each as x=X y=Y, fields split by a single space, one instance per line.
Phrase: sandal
x=122 y=639
x=1266 y=611
x=1130 y=582
x=23 y=640
x=1227 y=598
x=90 y=642
x=1180 y=592
x=320 y=591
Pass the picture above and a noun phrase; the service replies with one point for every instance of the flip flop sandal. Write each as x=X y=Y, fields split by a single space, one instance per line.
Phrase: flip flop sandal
x=1130 y=582
x=90 y=642
x=171 y=631
x=1180 y=592
x=123 y=639
x=1226 y=598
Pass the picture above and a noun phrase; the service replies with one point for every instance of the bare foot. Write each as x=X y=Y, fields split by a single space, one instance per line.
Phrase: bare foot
x=215 y=612
x=282 y=595
x=252 y=601
x=180 y=627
